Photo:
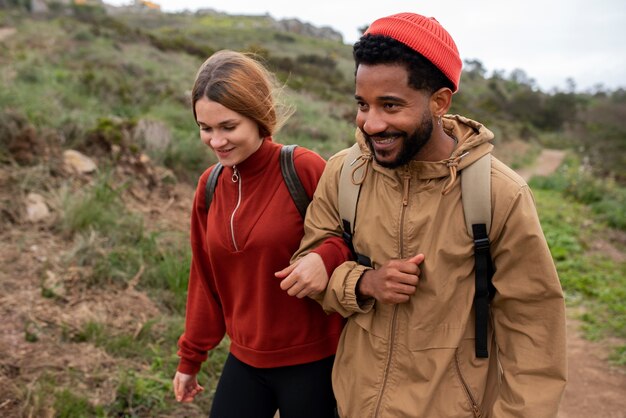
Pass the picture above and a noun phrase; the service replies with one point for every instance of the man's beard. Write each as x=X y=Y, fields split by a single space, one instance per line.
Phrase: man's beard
x=411 y=144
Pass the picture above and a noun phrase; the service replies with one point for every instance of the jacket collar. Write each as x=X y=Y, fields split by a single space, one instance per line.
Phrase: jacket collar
x=474 y=141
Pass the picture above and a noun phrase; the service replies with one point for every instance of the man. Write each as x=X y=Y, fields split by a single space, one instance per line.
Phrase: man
x=408 y=348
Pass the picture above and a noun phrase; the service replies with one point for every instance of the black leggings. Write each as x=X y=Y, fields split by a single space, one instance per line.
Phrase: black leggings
x=299 y=391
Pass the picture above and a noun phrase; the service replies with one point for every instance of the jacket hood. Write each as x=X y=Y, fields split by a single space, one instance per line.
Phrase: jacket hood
x=473 y=141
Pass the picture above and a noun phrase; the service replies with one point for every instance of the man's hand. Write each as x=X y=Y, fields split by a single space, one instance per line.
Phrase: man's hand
x=306 y=277
x=394 y=282
x=186 y=387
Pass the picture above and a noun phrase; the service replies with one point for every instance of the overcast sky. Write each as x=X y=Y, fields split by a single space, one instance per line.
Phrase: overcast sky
x=551 y=40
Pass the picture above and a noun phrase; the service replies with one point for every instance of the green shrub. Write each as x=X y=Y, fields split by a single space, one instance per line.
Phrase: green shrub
x=69 y=405
x=574 y=180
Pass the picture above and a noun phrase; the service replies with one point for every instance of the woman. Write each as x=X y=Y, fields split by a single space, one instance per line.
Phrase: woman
x=282 y=347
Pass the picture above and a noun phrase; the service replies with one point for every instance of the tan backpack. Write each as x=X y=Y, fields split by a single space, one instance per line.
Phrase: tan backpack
x=476 y=198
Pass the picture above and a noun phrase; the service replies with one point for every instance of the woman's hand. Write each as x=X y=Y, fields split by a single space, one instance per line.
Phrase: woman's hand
x=186 y=387
x=306 y=277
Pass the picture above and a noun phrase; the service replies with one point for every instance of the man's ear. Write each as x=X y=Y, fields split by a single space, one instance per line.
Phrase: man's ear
x=440 y=101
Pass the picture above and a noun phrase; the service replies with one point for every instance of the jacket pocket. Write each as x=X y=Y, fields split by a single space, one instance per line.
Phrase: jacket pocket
x=472 y=399
x=440 y=336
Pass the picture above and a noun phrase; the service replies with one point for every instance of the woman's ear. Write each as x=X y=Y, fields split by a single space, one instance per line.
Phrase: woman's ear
x=440 y=101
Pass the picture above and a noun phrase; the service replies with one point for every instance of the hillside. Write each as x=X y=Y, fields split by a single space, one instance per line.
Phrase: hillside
x=99 y=155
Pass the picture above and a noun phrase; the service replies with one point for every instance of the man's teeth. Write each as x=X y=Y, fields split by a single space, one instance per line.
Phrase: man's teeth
x=388 y=140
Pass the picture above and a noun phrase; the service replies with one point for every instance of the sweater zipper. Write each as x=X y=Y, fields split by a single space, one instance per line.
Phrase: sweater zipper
x=468 y=392
x=235 y=178
x=394 y=316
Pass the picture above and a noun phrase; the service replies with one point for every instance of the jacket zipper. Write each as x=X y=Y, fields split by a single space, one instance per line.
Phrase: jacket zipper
x=468 y=392
x=235 y=178
x=392 y=328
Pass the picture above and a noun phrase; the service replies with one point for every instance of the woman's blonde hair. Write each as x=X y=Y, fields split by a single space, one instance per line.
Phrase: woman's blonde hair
x=242 y=84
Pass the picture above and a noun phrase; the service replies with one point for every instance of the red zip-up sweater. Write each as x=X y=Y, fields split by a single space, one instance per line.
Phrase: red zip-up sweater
x=252 y=229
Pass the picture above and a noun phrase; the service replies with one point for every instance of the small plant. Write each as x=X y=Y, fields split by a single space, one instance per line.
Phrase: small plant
x=69 y=405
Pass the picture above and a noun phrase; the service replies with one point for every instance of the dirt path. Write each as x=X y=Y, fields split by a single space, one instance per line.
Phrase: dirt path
x=547 y=162
x=594 y=388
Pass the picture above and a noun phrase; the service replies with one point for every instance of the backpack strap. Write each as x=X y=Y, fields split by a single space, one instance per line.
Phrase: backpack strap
x=476 y=193
x=476 y=198
x=348 y=196
x=296 y=189
x=210 y=185
x=290 y=175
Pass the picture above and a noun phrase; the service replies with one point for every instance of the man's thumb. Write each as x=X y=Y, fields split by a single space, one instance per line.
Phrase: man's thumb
x=417 y=259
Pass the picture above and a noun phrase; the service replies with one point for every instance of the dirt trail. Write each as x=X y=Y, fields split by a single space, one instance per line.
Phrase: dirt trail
x=594 y=388
x=547 y=162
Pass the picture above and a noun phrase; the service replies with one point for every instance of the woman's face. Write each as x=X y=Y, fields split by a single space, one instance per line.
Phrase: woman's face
x=232 y=136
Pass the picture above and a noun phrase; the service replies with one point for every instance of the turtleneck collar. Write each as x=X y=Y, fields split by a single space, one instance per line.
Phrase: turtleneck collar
x=256 y=162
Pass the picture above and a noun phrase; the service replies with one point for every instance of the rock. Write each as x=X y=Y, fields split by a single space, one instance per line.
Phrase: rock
x=153 y=136
x=76 y=162
x=36 y=208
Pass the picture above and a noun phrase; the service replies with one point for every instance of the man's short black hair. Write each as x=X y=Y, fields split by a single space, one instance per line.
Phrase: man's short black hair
x=380 y=49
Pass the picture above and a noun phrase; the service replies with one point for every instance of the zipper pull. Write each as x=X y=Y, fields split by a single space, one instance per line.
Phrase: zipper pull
x=235 y=177
x=407 y=180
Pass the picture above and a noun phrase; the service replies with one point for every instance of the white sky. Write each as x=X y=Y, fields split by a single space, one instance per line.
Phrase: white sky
x=551 y=40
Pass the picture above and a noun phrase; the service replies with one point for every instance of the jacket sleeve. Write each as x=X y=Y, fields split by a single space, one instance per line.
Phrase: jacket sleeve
x=322 y=229
x=204 y=321
x=310 y=166
x=528 y=315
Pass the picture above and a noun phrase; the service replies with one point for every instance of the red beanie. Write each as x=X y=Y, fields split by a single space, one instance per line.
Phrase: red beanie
x=426 y=36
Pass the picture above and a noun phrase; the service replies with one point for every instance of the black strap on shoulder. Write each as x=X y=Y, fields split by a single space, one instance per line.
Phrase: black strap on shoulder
x=296 y=189
x=210 y=185
x=484 y=288
x=347 y=238
x=290 y=175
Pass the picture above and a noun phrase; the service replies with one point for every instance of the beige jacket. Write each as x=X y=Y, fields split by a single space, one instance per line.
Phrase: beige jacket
x=417 y=359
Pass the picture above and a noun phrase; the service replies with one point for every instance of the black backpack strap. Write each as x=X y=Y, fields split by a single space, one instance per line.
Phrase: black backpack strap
x=484 y=288
x=210 y=185
x=296 y=189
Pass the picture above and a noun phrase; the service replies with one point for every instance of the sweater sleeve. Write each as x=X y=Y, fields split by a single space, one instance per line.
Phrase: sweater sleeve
x=528 y=315
x=204 y=321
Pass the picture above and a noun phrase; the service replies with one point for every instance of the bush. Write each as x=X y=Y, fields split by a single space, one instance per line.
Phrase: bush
x=576 y=180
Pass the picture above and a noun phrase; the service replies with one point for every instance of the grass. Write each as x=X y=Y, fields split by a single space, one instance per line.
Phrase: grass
x=605 y=197
x=592 y=281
